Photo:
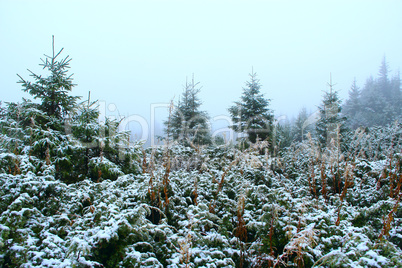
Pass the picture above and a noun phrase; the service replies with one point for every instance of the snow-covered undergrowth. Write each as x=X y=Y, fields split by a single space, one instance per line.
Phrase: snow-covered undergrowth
x=211 y=207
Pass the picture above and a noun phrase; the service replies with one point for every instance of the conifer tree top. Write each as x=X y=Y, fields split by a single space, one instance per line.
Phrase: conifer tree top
x=251 y=114
x=186 y=123
x=53 y=90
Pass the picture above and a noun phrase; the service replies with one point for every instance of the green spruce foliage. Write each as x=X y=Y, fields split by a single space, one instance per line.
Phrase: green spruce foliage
x=251 y=115
x=331 y=125
x=235 y=208
x=73 y=196
x=187 y=124
x=64 y=136
x=53 y=90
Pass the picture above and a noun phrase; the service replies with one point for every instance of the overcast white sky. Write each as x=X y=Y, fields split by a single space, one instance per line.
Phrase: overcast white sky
x=135 y=53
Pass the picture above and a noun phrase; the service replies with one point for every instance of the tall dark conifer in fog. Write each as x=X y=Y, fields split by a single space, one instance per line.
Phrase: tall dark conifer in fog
x=373 y=103
x=251 y=114
x=352 y=107
x=384 y=86
x=378 y=103
x=396 y=101
x=383 y=82
x=380 y=98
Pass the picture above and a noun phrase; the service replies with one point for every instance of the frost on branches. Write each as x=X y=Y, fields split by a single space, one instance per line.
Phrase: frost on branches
x=76 y=193
x=221 y=207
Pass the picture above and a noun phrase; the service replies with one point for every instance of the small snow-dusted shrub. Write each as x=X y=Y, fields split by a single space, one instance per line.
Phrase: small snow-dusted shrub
x=103 y=169
x=358 y=250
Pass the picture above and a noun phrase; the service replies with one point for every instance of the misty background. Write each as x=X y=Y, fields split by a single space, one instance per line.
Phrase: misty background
x=135 y=56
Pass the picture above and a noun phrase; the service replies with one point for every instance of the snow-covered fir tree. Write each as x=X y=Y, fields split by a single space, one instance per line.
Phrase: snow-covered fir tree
x=207 y=206
x=105 y=152
x=53 y=90
x=63 y=134
x=186 y=123
x=251 y=115
x=331 y=125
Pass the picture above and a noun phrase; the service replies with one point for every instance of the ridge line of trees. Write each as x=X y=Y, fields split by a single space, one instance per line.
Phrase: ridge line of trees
x=378 y=103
